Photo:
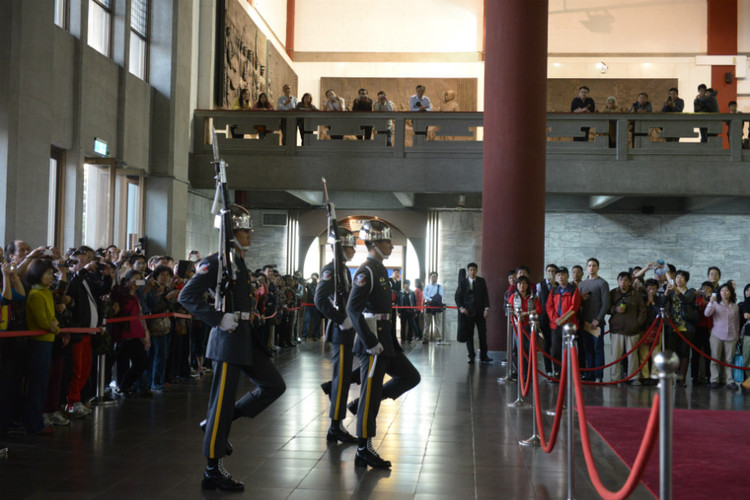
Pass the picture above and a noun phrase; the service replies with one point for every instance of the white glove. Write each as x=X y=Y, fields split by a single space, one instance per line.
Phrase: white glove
x=347 y=324
x=374 y=351
x=228 y=322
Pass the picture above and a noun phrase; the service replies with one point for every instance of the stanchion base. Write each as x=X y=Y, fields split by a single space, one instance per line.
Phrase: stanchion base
x=532 y=441
x=551 y=413
x=442 y=342
x=105 y=401
x=504 y=362
x=519 y=403
x=503 y=380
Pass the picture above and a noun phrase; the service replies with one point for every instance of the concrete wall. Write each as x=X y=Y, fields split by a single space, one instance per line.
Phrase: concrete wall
x=620 y=241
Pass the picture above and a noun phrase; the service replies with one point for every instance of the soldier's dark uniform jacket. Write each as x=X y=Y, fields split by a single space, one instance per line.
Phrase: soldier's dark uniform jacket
x=324 y=302
x=233 y=347
x=371 y=295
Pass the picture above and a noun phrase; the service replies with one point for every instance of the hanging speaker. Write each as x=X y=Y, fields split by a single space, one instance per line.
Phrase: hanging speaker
x=728 y=77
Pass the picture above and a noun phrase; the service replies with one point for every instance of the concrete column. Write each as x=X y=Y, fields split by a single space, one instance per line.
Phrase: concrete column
x=170 y=75
x=514 y=147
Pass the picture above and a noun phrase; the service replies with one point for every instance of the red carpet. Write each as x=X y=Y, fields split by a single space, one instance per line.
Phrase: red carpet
x=711 y=449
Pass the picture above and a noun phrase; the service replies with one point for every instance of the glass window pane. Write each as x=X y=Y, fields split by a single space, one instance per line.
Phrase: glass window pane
x=97 y=217
x=139 y=17
x=99 y=27
x=137 y=63
x=52 y=202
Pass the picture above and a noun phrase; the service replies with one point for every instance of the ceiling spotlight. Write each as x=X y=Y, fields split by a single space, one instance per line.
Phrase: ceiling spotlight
x=603 y=68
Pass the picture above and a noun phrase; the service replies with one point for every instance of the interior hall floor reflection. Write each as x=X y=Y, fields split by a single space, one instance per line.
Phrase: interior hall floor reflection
x=453 y=437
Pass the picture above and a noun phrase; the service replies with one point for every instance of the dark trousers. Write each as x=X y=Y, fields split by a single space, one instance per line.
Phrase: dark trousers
x=481 y=325
x=556 y=347
x=368 y=134
x=38 y=357
x=702 y=336
x=403 y=377
x=311 y=322
x=547 y=343
x=131 y=362
x=409 y=327
x=342 y=359
x=223 y=410
x=594 y=348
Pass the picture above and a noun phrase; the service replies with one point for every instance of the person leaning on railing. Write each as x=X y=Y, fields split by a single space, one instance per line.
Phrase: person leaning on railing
x=304 y=105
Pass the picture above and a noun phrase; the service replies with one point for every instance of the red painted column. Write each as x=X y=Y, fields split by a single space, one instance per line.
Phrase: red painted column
x=722 y=41
x=290 y=11
x=514 y=148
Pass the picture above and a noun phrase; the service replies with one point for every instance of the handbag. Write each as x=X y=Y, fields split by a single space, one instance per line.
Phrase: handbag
x=739 y=360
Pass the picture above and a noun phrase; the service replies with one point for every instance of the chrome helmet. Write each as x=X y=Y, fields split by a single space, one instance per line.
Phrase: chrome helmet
x=375 y=230
x=346 y=237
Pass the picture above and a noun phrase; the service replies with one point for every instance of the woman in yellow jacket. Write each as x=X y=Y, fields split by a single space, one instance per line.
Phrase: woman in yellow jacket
x=40 y=315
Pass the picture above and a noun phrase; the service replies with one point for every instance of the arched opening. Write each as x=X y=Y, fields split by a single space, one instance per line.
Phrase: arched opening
x=404 y=254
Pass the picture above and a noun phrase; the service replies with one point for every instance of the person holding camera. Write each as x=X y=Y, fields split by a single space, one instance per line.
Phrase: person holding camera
x=673 y=104
x=725 y=313
x=628 y=313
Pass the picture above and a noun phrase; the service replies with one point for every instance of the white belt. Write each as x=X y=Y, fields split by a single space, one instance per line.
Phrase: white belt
x=379 y=317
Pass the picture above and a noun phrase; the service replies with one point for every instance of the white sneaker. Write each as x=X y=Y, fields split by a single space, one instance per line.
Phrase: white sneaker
x=74 y=411
x=46 y=419
x=57 y=418
x=82 y=407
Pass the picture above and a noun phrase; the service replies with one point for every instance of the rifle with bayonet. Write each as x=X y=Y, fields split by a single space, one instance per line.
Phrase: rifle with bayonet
x=222 y=212
x=340 y=281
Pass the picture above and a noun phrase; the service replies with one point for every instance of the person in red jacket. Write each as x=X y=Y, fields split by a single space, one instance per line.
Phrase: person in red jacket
x=563 y=303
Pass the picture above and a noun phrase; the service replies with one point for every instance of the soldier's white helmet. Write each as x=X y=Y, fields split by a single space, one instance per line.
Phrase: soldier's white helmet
x=241 y=218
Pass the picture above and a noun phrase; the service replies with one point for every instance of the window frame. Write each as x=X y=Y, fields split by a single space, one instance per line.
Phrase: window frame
x=110 y=19
x=144 y=37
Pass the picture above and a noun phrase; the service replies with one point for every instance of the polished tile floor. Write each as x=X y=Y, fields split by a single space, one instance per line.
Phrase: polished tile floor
x=451 y=438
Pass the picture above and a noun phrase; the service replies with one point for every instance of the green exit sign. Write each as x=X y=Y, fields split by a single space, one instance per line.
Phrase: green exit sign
x=100 y=147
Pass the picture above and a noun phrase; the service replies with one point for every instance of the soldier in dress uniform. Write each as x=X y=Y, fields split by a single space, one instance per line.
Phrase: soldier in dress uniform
x=340 y=333
x=233 y=350
x=369 y=309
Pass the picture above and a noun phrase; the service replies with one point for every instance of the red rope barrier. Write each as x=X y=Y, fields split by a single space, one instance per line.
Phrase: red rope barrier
x=644 y=453
x=703 y=353
x=631 y=351
x=548 y=446
x=637 y=371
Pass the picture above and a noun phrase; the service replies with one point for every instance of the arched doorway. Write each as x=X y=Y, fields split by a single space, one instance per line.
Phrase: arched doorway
x=404 y=254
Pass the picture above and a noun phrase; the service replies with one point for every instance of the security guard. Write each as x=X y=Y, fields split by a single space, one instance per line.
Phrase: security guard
x=233 y=349
x=340 y=333
x=369 y=309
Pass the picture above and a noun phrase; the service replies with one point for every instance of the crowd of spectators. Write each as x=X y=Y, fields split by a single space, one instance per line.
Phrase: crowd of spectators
x=708 y=317
x=705 y=102
x=47 y=378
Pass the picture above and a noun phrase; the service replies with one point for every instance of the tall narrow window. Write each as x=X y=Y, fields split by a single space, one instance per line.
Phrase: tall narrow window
x=61 y=13
x=100 y=26
x=138 y=38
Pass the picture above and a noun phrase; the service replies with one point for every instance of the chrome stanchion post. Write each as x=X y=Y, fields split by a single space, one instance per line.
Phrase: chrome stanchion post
x=101 y=398
x=569 y=337
x=534 y=439
x=508 y=350
x=666 y=364
x=519 y=402
x=443 y=340
x=508 y=330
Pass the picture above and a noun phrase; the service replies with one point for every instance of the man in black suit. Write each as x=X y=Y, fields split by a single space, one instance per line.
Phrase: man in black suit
x=473 y=301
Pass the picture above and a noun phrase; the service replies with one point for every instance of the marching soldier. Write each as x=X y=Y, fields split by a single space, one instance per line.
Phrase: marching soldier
x=369 y=309
x=233 y=349
x=341 y=335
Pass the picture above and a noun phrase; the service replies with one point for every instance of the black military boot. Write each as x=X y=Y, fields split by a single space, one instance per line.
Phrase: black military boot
x=228 y=450
x=366 y=455
x=338 y=433
x=353 y=406
x=326 y=387
x=217 y=477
